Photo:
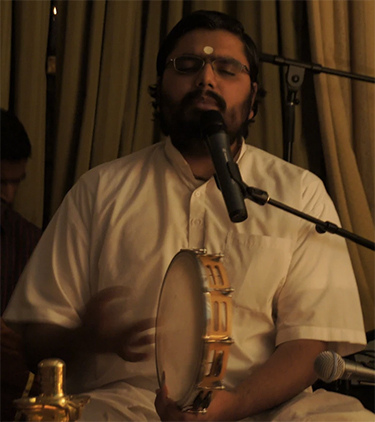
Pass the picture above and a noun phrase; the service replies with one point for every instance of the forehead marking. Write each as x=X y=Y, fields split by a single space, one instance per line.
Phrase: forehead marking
x=208 y=49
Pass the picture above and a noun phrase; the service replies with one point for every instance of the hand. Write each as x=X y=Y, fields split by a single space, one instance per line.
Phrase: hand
x=11 y=342
x=106 y=331
x=220 y=409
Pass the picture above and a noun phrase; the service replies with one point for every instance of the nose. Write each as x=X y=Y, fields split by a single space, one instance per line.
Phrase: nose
x=206 y=77
x=8 y=192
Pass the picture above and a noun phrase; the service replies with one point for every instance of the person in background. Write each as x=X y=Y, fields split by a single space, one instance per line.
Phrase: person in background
x=92 y=287
x=18 y=235
x=18 y=240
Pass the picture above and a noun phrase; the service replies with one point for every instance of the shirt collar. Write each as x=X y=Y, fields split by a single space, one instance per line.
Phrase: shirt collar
x=182 y=167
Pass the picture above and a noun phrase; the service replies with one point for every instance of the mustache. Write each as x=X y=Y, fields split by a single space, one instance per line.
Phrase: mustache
x=193 y=95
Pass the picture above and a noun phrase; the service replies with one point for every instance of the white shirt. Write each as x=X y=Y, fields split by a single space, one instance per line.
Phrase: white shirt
x=124 y=221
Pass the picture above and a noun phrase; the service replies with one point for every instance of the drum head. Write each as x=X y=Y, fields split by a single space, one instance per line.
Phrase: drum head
x=180 y=326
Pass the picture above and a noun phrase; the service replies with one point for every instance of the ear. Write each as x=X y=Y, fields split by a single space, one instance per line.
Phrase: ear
x=154 y=91
x=158 y=87
x=253 y=94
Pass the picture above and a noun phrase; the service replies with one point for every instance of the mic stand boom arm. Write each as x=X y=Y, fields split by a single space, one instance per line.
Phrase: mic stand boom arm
x=294 y=78
x=261 y=197
x=313 y=67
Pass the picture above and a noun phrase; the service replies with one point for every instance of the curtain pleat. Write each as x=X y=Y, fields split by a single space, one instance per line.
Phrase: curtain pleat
x=24 y=88
x=119 y=63
x=78 y=57
x=332 y=48
x=5 y=52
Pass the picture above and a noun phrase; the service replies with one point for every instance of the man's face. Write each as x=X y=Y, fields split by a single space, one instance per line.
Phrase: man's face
x=12 y=173
x=185 y=96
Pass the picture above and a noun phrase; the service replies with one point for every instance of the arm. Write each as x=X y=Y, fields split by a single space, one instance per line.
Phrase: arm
x=99 y=332
x=286 y=373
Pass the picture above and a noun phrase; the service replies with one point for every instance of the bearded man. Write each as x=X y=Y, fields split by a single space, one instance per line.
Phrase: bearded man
x=91 y=292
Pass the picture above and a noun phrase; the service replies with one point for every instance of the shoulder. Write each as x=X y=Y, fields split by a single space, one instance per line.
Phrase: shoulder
x=118 y=178
x=123 y=166
x=265 y=167
x=284 y=181
x=265 y=161
x=17 y=220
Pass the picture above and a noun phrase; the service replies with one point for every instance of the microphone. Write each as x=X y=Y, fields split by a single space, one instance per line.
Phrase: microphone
x=330 y=366
x=213 y=130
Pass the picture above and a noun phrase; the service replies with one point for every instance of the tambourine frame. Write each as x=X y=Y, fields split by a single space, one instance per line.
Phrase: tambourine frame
x=215 y=308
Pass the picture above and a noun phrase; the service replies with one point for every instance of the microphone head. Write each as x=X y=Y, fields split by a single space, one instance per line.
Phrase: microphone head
x=329 y=366
x=211 y=122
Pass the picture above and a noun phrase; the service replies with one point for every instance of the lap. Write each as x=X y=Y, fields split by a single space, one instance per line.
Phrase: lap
x=120 y=402
x=320 y=405
x=123 y=402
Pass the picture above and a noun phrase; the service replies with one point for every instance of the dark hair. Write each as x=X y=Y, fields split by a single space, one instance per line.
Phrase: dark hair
x=207 y=20
x=15 y=144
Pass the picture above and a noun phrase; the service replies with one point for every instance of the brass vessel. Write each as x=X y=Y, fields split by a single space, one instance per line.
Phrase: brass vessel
x=52 y=404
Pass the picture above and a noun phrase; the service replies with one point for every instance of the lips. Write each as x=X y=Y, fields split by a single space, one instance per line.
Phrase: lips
x=203 y=100
x=206 y=103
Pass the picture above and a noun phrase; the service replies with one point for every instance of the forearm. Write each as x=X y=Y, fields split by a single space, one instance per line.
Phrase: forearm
x=49 y=340
x=131 y=343
x=285 y=374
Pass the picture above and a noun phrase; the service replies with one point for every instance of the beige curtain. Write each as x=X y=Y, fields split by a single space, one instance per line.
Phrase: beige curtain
x=23 y=88
x=106 y=52
x=342 y=37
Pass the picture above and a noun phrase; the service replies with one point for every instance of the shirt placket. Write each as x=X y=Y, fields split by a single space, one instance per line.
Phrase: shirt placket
x=196 y=218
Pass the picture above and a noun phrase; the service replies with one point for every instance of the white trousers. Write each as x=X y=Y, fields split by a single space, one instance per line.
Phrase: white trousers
x=127 y=403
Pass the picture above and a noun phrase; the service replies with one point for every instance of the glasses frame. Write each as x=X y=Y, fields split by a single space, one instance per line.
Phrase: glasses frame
x=244 y=68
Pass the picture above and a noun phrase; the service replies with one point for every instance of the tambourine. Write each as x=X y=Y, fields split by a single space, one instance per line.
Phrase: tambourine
x=193 y=328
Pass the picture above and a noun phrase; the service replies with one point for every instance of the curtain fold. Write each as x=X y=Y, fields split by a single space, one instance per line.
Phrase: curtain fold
x=348 y=133
x=5 y=52
x=78 y=57
x=23 y=90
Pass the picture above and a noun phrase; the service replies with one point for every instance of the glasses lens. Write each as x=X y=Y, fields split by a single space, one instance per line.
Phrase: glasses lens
x=227 y=67
x=188 y=64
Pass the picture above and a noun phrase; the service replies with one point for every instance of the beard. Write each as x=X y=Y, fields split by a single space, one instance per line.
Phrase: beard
x=182 y=121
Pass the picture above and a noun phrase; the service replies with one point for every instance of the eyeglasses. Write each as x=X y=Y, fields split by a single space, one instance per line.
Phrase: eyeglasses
x=225 y=67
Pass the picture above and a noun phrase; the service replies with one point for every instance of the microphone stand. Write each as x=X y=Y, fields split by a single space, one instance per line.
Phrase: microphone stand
x=294 y=79
x=261 y=197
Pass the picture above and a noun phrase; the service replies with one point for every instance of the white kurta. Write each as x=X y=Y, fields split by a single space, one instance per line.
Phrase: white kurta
x=123 y=222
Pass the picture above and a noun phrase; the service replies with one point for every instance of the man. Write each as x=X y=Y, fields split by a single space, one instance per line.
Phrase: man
x=105 y=253
x=18 y=236
x=18 y=240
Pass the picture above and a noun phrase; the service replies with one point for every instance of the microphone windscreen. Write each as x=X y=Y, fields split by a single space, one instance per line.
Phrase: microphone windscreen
x=329 y=366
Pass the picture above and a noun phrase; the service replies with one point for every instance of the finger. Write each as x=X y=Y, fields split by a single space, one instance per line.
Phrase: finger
x=130 y=356
x=165 y=407
x=95 y=308
x=142 y=341
x=143 y=325
x=130 y=352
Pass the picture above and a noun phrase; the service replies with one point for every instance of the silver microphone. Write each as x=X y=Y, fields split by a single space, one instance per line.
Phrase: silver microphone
x=330 y=366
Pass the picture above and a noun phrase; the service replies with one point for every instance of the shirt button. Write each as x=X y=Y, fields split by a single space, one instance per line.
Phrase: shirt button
x=197 y=194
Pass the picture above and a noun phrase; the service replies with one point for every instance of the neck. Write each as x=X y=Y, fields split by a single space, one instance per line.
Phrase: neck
x=201 y=163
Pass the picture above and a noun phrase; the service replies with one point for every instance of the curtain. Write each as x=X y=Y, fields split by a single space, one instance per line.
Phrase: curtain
x=105 y=60
x=24 y=35
x=342 y=37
